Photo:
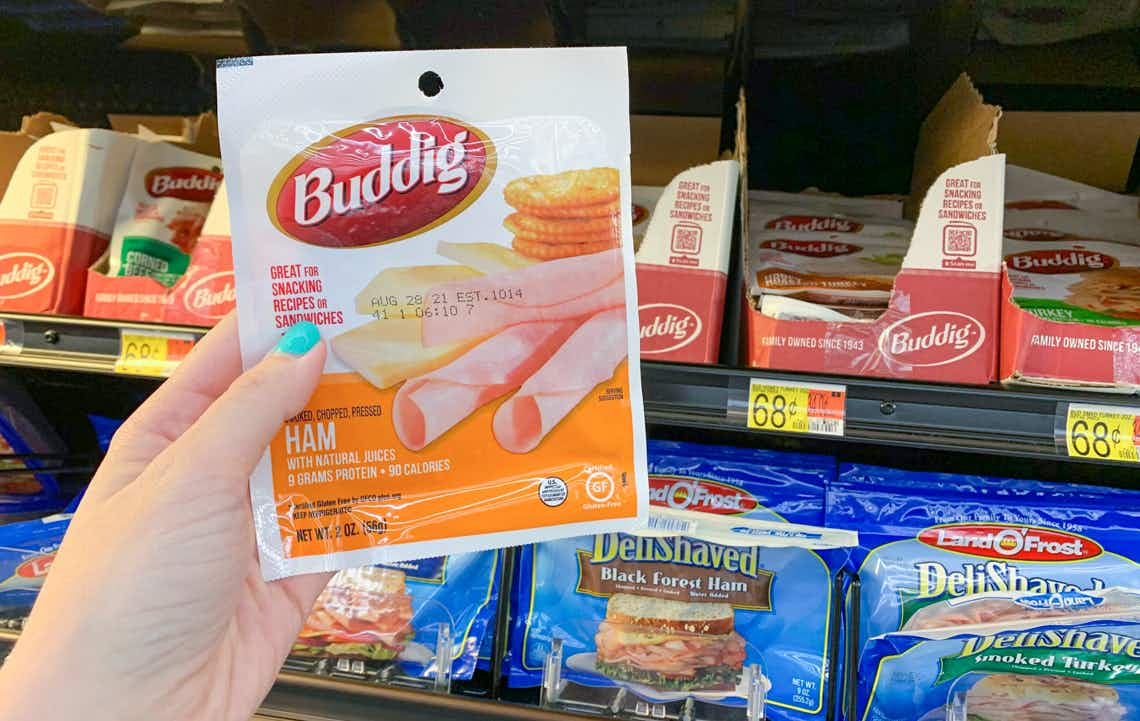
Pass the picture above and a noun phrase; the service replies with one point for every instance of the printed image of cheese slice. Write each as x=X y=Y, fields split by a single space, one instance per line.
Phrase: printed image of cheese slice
x=386 y=352
x=398 y=293
x=486 y=258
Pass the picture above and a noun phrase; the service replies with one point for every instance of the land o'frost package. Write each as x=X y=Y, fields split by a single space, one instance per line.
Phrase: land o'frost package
x=397 y=618
x=1065 y=671
x=661 y=621
x=465 y=243
x=940 y=550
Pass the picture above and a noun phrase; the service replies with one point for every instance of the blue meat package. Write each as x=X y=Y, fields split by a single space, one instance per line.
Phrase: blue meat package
x=1081 y=671
x=939 y=550
x=27 y=549
x=394 y=613
x=675 y=617
x=26 y=438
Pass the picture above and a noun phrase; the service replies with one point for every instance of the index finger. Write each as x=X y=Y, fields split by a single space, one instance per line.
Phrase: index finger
x=207 y=372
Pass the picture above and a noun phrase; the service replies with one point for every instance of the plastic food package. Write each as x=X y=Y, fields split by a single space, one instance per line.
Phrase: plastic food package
x=162 y=211
x=674 y=617
x=27 y=549
x=396 y=613
x=930 y=543
x=26 y=436
x=827 y=268
x=1065 y=671
x=469 y=254
x=1086 y=281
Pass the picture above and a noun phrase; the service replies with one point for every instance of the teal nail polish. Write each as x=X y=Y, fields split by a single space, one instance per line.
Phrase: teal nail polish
x=299 y=339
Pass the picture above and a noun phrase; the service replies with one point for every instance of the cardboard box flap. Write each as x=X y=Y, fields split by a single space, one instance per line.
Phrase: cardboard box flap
x=13 y=145
x=960 y=128
x=1095 y=148
x=663 y=146
x=197 y=133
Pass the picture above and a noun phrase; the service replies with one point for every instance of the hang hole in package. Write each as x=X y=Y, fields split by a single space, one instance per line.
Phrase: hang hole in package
x=482 y=387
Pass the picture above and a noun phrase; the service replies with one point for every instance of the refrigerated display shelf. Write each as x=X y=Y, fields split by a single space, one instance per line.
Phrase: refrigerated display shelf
x=1015 y=422
x=304 y=697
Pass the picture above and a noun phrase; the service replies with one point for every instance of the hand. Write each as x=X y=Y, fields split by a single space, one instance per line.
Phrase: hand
x=155 y=607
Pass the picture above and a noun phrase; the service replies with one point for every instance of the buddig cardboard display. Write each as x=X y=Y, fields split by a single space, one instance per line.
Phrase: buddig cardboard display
x=941 y=323
x=58 y=210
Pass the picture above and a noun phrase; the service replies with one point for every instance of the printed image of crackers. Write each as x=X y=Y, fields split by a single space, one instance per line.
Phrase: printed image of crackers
x=589 y=193
x=551 y=251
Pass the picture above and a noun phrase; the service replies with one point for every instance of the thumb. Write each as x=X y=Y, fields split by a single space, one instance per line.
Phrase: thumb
x=228 y=440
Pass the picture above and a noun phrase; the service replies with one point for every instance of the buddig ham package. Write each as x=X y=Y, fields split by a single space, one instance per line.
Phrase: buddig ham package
x=673 y=619
x=1066 y=671
x=466 y=246
x=939 y=550
x=397 y=613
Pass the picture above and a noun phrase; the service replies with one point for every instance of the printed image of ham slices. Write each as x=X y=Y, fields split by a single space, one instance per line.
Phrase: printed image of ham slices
x=588 y=358
x=555 y=290
x=428 y=406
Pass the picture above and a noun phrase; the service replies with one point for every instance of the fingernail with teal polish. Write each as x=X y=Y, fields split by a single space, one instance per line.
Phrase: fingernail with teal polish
x=299 y=339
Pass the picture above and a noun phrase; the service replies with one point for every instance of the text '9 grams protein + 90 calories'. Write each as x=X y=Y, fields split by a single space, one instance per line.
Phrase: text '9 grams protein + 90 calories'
x=466 y=250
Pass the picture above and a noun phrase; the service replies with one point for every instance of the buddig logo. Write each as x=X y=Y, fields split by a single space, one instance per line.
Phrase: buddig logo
x=811 y=248
x=1054 y=262
x=1022 y=543
x=667 y=327
x=381 y=181
x=930 y=339
x=824 y=223
x=22 y=274
x=192 y=184
x=211 y=296
x=691 y=494
x=1041 y=234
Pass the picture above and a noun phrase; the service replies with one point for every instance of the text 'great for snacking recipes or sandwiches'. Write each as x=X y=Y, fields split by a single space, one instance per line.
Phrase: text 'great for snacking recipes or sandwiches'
x=469 y=257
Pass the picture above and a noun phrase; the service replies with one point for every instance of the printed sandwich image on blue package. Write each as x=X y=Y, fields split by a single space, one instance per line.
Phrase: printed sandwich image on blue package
x=1064 y=671
x=399 y=620
x=719 y=611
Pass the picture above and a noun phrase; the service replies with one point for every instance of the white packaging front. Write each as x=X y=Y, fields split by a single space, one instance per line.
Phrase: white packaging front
x=162 y=211
x=469 y=254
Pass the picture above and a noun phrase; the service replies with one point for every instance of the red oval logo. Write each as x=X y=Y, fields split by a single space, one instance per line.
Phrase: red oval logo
x=1057 y=261
x=693 y=494
x=666 y=327
x=640 y=213
x=192 y=184
x=825 y=223
x=934 y=338
x=36 y=567
x=1040 y=234
x=1007 y=541
x=211 y=296
x=22 y=274
x=381 y=181
x=1039 y=205
x=812 y=248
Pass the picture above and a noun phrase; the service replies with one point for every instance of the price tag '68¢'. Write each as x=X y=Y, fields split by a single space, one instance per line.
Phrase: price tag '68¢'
x=1105 y=433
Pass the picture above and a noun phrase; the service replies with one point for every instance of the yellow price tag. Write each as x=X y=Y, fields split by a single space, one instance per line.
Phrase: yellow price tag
x=796 y=407
x=1106 y=433
x=151 y=354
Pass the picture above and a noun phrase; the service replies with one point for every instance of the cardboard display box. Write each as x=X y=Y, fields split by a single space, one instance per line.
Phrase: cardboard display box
x=61 y=191
x=205 y=292
x=941 y=323
x=686 y=241
x=1094 y=148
